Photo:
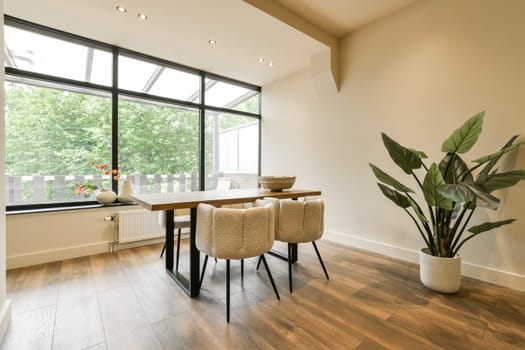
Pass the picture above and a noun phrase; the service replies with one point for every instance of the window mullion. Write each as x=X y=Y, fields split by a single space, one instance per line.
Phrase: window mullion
x=114 y=118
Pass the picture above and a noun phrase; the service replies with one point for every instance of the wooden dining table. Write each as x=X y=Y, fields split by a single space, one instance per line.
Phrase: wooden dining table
x=190 y=200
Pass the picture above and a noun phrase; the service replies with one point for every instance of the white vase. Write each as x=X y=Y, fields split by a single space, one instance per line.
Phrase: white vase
x=105 y=196
x=439 y=274
x=126 y=191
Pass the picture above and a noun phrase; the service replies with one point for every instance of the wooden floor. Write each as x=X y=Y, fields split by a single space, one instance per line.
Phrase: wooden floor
x=126 y=301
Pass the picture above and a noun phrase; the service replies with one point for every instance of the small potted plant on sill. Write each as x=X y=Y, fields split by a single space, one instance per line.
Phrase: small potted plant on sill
x=452 y=191
x=102 y=195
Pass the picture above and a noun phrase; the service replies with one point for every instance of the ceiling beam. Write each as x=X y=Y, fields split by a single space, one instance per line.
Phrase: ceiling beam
x=285 y=15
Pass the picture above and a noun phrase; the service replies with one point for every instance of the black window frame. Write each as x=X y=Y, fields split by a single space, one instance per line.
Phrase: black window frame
x=115 y=91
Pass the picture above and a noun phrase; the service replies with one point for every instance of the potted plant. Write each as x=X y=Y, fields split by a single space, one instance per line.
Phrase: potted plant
x=452 y=191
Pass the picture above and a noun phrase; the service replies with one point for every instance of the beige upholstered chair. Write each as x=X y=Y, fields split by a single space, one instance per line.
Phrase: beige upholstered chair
x=227 y=233
x=180 y=222
x=298 y=222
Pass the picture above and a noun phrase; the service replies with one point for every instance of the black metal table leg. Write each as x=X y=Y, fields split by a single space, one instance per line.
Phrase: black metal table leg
x=191 y=286
x=170 y=227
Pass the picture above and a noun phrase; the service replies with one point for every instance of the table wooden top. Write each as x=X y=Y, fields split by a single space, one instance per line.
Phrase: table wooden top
x=181 y=200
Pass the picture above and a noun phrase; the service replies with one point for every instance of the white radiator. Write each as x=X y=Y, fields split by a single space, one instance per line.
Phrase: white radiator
x=138 y=225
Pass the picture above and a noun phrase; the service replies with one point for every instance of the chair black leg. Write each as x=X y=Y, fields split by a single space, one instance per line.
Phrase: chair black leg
x=242 y=269
x=290 y=266
x=270 y=276
x=228 y=290
x=258 y=264
x=320 y=260
x=203 y=270
x=178 y=252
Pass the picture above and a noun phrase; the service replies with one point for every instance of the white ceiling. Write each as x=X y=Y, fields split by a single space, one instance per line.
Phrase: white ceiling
x=179 y=30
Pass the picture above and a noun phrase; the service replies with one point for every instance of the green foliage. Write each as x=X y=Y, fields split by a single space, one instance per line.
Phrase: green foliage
x=53 y=132
x=432 y=181
x=451 y=192
x=463 y=138
x=389 y=180
x=396 y=197
x=406 y=158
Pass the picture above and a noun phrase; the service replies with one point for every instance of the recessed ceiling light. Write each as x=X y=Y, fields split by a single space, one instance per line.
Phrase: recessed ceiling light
x=270 y=64
x=212 y=42
x=142 y=16
x=121 y=9
x=261 y=60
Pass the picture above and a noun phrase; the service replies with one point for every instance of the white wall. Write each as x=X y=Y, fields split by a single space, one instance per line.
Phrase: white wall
x=416 y=75
x=5 y=310
x=35 y=238
x=44 y=237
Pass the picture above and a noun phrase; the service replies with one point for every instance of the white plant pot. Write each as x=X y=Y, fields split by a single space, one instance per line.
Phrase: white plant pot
x=439 y=274
x=105 y=196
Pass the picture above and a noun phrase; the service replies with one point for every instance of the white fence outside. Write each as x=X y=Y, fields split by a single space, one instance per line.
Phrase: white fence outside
x=21 y=190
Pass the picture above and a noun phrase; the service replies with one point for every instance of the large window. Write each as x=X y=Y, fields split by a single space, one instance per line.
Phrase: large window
x=65 y=113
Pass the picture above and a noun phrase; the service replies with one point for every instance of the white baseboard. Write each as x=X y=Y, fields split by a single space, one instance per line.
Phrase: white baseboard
x=45 y=256
x=483 y=273
x=42 y=257
x=5 y=318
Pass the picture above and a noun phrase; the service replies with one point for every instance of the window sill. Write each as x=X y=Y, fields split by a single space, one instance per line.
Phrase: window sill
x=67 y=208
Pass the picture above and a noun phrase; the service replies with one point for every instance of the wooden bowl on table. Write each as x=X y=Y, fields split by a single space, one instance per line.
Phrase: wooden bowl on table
x=276 y=183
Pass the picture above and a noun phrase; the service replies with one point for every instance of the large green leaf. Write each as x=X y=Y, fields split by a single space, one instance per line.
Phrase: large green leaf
x=494 y=182
x=405 y=158
x=432 y=181
x=483 y=198
x=486 y=226
x=463 y=138
x=457 y=192
x=497 y=155
x=488 y=167
x=396 y=197
x=467 y=192
x=455 y=170
x=389 y=180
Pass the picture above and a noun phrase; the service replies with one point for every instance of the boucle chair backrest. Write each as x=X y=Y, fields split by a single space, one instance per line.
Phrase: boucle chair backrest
x=300 y=221
x=276 y=208
x=227 y=233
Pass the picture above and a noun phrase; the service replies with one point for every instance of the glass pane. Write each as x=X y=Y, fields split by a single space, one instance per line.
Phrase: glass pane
x=53 y=140
x=47 y=55
x=232 y=149
x=176 y=84
x=134 y=74
x=148 y=78
x=220 y=94
x=158 y=146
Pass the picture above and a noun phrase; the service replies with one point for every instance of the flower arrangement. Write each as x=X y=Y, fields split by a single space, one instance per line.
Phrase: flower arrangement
x=88 y=187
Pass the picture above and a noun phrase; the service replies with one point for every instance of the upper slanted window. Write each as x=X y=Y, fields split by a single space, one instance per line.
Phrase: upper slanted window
x=34 y=52
x=231 y=96
x=154 y=79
